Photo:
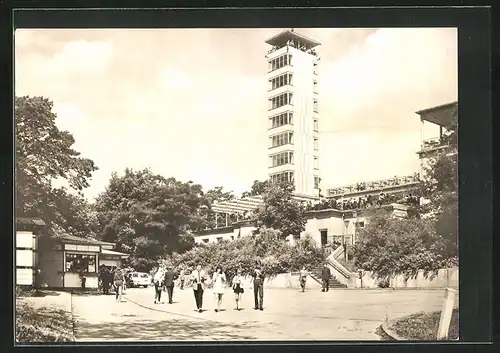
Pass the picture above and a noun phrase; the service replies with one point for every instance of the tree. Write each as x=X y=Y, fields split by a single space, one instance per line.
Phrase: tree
x=440 y=185
x=279 y=211
x=258 y=188
x=148 y=215
x=388 y=246
x=43 y=154
x=75 y=214
x=218 y=194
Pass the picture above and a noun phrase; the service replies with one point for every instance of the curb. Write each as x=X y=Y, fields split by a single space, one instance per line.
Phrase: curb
x=390 y=333
x=385 y=328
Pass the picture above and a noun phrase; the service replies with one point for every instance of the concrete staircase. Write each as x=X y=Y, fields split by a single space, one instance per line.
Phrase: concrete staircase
x=334 y=283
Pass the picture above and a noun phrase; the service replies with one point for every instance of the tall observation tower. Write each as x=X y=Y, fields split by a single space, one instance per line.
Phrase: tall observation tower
x=293 y=111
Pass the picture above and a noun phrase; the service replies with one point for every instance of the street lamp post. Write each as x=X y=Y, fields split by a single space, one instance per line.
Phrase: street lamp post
x=346 y=223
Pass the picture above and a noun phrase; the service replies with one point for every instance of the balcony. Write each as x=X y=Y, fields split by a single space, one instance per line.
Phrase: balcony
x=362 y=203
x=432 y=143
x=374 y=185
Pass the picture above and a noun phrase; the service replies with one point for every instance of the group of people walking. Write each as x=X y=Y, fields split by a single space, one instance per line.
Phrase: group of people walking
x=198 y=280
x=164 y=279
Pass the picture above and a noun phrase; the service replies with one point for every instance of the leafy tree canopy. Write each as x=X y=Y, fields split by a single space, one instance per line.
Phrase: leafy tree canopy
x=279 y=211
x=389 y=246
x=44 y=153
x=258 y=188
x=148 y=215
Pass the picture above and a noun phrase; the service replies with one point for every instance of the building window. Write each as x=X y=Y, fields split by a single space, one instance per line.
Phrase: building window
x=80 y=262
x=316 y=144
x=232 y=237
x=280 y=62
x=281 y=159
x=205 y=241
x=219 y=239
x=315 y=86
x=315 y=105
x=315 y=125
x=280 y=81
x=316 y=163
x=360 y=224
x=315 y=68
x=317 y=180
x=282 y=177
x=285 y=118
x=281 y=139
x=280 y=100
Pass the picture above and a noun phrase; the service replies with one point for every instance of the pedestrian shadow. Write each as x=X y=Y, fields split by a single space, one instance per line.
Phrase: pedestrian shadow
x=167 y=330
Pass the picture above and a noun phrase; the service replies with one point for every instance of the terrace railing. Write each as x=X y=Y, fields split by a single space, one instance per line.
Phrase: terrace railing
x=432 y=143
x=374 y=185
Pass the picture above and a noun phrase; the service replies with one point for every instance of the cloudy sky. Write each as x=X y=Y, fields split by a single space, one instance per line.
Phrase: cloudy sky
x=192 y=103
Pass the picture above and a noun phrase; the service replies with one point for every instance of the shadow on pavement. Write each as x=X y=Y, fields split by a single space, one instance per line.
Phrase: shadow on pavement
x=46 y=293
x=174 y=329
x=87 y=293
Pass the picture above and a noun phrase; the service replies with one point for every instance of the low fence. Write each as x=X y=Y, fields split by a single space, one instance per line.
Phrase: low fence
x=444 y=278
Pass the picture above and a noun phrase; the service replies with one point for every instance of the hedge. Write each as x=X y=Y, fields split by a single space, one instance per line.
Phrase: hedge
x=273 y=254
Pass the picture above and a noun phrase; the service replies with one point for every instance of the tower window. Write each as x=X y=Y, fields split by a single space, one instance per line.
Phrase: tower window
x=285 y=118
x=315 y=86
x=280 y=81
x=315 y=68
x=280 y=100
x=315 y=125
x=281 y=159
x=282 y=177
x=316 y=163
x=281 y=139
x=280 y=62
x=315 y=105
x=317 y=180
x=316 y=144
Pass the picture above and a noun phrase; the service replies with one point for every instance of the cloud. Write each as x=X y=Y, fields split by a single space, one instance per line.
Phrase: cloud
x=145 y=98
x=37 y=73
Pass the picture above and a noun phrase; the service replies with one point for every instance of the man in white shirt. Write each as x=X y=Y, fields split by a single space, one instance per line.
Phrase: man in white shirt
x=198 y=278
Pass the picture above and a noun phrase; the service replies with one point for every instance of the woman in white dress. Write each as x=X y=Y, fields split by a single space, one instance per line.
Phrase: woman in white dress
x=219 y=282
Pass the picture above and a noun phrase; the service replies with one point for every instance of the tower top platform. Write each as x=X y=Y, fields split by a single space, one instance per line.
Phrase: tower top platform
x=281 y=39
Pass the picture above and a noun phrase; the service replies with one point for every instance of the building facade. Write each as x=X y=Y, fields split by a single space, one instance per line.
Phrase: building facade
x=65 y=260
x=434 y=122
x=293 y=112
x=326 y=227
x=59 y=262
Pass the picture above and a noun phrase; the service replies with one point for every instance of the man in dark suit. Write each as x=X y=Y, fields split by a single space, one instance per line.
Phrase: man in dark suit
x=325 y=277
x=170 y=277
x=258 y=288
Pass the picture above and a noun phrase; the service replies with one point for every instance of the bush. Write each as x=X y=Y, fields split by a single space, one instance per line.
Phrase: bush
x=274 y=255
x=42 y=325
x=424 y=326
x=388 y=246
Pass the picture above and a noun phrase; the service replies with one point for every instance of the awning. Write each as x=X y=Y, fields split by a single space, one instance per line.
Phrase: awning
x=114 y=253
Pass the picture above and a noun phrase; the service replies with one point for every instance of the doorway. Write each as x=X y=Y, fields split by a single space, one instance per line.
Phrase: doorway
x=324 y=236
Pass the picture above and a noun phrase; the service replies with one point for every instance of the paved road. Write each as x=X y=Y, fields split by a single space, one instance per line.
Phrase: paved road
x=288 y=315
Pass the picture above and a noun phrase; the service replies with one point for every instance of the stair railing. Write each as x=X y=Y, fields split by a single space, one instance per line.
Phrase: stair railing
x=339 y=267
